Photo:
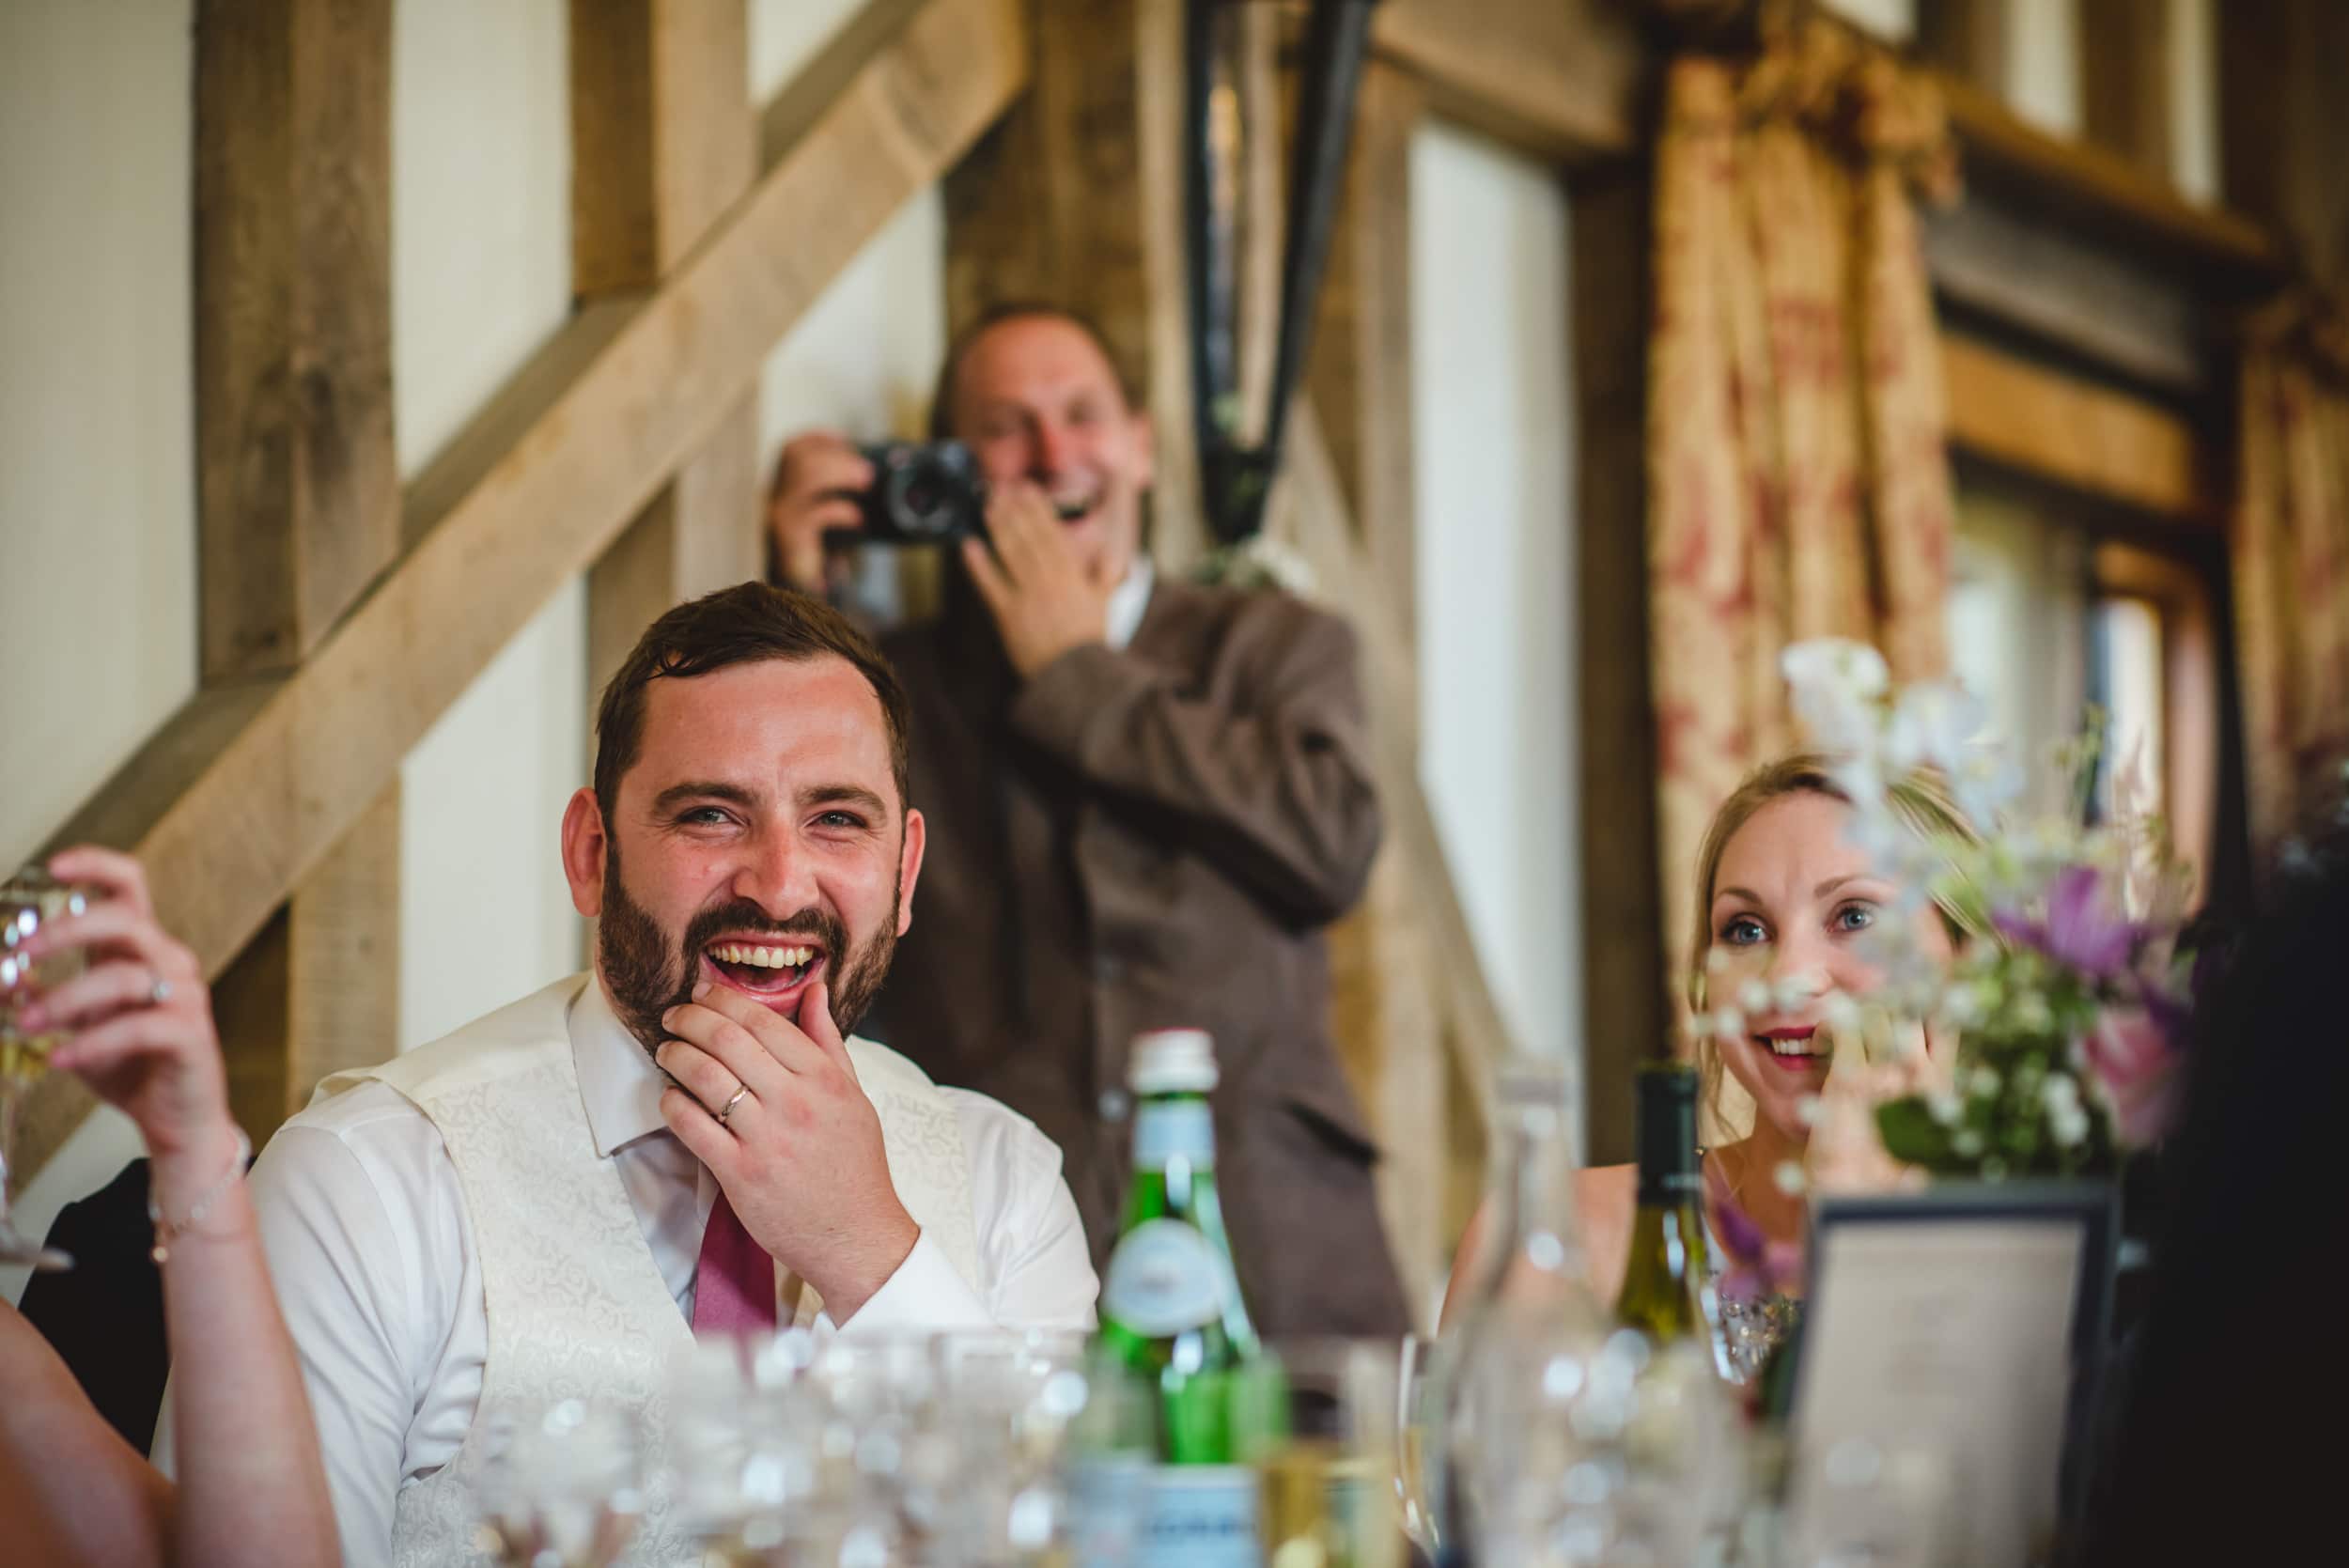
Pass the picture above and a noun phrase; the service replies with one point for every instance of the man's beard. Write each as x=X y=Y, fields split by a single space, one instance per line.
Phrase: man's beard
x=646 y=979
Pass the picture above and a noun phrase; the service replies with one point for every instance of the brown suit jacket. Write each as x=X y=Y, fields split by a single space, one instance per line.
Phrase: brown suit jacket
x=1146 y=839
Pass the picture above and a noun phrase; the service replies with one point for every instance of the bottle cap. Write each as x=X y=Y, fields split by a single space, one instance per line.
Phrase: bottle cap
x=1172 y=1062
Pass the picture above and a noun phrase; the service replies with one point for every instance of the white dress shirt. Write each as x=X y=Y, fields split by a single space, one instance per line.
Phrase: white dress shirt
x=1127 y=601
x=366 y=1227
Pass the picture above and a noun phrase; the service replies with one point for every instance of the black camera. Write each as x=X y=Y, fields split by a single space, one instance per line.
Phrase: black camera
x=922 y=493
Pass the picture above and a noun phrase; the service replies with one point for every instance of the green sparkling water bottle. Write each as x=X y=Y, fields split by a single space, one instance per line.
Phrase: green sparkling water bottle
x=1173 y=1319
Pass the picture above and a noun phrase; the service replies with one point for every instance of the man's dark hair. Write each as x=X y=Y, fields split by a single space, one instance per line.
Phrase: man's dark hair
x=943 y=395
x=746 y=624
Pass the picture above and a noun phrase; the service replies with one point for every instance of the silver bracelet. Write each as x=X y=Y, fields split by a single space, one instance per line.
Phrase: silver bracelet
x=169 y=1231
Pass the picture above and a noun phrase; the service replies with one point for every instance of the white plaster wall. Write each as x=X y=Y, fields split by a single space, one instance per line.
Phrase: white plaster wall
x=97 y=476
x=1893 y=20
x=481 y=275
x=2043 y=63
x=786 y=34
x=2194 y=98
x=1492 y=419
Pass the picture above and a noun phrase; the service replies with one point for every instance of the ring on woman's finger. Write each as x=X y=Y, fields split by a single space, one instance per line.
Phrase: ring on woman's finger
x=732 y=1100
x=159 y=991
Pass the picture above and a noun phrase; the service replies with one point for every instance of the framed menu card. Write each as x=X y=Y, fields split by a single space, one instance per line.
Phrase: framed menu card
x=1951 y=1341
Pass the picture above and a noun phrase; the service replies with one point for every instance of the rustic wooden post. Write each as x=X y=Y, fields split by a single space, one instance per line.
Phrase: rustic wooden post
x=298 y=482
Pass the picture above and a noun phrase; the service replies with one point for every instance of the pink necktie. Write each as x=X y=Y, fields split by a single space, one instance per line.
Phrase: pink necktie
x=733 y=1284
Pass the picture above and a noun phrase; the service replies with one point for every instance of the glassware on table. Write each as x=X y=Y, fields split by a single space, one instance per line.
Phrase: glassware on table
x=1506 y=1450
x=562 y=1485
x=1416 y=1409
x=29 y=900
x=1327 y=1486
x=1865 y=1503
x=1009 y=1406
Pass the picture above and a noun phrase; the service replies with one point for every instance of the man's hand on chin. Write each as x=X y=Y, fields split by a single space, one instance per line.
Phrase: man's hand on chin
x=1046 y=600
x=800 y=1154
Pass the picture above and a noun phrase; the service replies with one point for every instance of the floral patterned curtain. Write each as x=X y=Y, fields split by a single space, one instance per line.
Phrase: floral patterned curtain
x=1799 y=484
x=2290 y=546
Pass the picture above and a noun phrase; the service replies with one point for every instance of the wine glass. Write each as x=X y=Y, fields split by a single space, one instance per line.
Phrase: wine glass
x=562 y=1485
x=29 y=900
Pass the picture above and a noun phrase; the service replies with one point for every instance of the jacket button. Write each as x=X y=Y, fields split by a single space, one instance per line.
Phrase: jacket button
x=1114 y=1103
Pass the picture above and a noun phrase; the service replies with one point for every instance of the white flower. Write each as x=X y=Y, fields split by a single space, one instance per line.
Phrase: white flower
x=1834 y=687
x=1754 y=997
x=1983 y=1082
x=2059 y=1091
x=1932 y=726
x=1835 y=663
x=1944 y=1106
x=2068 y=1124
x=1840 y=1011
x=1968 y=1144
x=1789 y=1177
x=1986 y=782
x=2032 y=1015
x=1809 y=1109
x=1728 y=1023
x=1798 y=990
x=1717 y=960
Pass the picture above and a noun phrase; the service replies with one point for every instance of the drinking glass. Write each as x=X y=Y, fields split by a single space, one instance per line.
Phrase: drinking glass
x=1415 y=1404
x=562 y=1485
x=29 y=900
x=1329 y=1485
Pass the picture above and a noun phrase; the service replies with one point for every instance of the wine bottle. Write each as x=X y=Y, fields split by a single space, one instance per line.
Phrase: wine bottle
x=1667 y=1289
x=1173 y=1319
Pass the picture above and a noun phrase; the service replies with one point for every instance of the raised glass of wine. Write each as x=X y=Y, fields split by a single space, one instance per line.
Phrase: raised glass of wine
x=28 y=901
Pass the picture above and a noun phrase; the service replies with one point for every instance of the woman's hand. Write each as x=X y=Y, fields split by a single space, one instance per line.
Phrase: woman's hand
x=138 y=1021
x=1845 y=1154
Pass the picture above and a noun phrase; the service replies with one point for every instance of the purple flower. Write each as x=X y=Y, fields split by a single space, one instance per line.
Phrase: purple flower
x=1759 y=1266
x=2082 y=931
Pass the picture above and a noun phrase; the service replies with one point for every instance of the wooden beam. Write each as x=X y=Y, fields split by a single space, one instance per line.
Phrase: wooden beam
x=297 y=481
x=1076 y=199
x=662 y=137
x=1360 y=377
x=2281 y=148
x=317 y=989
x=2073 y=432
x=2087 y=188
x=2124 y=81
x=1628 y=1012
x=663 y=142
x=1566 y=81
x=1968 y=39
x=540 y=484
x=2135 y=316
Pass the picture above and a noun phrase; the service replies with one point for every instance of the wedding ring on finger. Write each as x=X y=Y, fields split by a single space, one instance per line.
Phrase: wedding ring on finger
x=160 y=992
x=732 y=1100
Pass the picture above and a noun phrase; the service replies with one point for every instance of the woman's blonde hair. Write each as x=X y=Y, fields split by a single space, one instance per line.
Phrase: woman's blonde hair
x=1919 y=799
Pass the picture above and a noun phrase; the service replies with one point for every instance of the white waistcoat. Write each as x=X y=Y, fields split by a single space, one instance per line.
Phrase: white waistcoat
x=576 y=1307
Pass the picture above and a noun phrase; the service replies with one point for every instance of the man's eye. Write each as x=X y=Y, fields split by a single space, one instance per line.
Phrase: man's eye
x=703 y=816
x=1744 y=931
x=840 y=819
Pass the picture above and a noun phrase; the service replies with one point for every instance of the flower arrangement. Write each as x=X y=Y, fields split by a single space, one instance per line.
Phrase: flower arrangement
x=2068 y=1000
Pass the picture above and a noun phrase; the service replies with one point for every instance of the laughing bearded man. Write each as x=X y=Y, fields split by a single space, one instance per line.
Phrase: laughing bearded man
x=559 y=1196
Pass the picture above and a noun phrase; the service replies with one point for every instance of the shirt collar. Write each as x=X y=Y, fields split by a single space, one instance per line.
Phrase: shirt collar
x=1128 y=601
x=619 y=1084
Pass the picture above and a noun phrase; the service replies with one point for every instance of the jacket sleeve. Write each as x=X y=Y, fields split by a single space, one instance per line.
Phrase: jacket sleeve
x=1271 y=783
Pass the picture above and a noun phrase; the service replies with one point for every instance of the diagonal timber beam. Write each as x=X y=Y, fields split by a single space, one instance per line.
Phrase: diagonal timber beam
x=250 y=786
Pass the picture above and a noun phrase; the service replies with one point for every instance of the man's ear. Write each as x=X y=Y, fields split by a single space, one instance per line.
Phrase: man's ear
x=910 y=868
x=584 y=850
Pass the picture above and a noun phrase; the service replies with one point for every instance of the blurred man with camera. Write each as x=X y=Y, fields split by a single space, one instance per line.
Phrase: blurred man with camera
x=1147 y=798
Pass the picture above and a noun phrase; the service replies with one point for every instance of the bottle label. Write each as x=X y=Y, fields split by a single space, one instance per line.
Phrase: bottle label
x=1164 y=1279
x=1165 y=1131
x=1200 y=1516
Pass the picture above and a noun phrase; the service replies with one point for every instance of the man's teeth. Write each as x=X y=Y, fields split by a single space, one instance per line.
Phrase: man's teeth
x=763 y=957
